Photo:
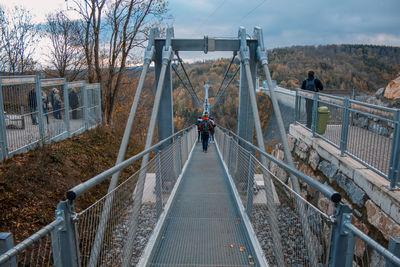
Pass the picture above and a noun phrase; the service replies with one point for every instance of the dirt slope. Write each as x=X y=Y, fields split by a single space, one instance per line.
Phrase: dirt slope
x=32 y=184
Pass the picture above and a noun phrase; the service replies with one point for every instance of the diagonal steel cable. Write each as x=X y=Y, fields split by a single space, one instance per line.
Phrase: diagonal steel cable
x=222 y=92
x=191 y=92
x=187 y=77
x=226 y=73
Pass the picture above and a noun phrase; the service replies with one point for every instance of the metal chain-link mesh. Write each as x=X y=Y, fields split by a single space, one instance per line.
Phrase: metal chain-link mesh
x=300 y=224
x=161 y=173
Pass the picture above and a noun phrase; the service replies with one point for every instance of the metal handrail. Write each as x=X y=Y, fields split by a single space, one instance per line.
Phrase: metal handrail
x=29 y=241
x=326 y=190
x=80 y=189
x=383 y=251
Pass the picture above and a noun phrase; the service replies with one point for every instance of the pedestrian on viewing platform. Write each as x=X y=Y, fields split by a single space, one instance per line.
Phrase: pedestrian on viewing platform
x=205 y=128
x=32 y=103
x=314 y=85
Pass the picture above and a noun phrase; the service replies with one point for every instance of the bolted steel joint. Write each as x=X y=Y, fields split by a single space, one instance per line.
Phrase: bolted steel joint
x=262 y=55
x=148 y=55
x=61 y=216
x=167 y=55
x=244 y=56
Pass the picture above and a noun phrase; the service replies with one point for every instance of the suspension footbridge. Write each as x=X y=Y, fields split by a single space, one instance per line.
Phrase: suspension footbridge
x=184 y=207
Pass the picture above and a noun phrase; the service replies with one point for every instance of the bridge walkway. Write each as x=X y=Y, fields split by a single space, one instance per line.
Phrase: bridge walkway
x=203 y=226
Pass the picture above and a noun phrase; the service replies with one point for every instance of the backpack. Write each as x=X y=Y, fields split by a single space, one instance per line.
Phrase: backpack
x=310 y=85
x=205 y=124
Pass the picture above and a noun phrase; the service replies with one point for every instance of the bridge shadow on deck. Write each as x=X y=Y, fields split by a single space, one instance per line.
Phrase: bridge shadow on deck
x=203 y=226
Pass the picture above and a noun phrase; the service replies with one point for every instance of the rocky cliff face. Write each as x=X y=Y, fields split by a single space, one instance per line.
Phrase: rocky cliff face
x=392 y=91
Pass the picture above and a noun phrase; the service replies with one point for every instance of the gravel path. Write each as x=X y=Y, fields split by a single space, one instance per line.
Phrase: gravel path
x=147 y=222
x=293 y=242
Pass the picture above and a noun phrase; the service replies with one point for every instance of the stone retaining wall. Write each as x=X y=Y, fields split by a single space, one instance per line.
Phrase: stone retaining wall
x=376 y=209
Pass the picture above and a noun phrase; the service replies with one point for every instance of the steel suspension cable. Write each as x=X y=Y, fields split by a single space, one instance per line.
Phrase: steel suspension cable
x=226 y=72
x=218 y=97
x=187 y=77
x=194 y=96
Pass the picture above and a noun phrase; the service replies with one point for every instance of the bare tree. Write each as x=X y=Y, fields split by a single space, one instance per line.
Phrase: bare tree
x=18 y=36
x=66 y=55
x=109 y=45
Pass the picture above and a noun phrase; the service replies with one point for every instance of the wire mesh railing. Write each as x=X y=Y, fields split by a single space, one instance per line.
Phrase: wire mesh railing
x=368 y=133
x=34 y=111
x=249 y=177
x=41 y=249
x=309 y=237
x=70 y=239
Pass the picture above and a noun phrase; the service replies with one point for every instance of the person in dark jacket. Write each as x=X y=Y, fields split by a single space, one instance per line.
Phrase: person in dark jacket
x=314 y=85
x=74 y=103
x=205 y=128
x=32 y=103
x=57 y=105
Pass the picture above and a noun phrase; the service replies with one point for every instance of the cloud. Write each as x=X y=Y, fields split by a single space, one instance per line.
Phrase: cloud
x=293 y=22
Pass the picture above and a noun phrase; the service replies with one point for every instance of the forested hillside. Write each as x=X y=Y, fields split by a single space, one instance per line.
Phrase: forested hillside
x=365 y=68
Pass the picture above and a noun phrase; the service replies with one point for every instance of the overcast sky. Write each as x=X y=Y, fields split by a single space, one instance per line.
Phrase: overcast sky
x=284 y=22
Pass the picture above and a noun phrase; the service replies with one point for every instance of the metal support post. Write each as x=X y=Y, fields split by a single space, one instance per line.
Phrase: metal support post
x=179 y=155
x=85 y=107
x=296 y=106
x=394 y=247
x=224 y=148
x=68 y=238
x=158 y=185
x=127 y=253
x=3 y=132
x=66 y=106
x=40 y=109
x=245 y=116
x=165 y=114
x=99 y=93
x=55 y=247
x=250 y=185
x=340 y=239
x=345 y=126
x=314 y=115
x=394 y=165
x=230 y=154
x=245 y=53
x=7 y=243
x=122 y=150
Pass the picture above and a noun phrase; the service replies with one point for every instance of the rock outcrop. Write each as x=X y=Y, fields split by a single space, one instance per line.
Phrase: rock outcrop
x=392 y=90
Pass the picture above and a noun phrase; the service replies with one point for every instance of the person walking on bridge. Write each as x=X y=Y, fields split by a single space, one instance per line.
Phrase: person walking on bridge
x=205 y=128
x=314 y=85
x=198 y=122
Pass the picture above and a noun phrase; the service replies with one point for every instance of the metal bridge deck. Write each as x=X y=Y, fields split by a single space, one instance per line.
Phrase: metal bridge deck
x=204 y=227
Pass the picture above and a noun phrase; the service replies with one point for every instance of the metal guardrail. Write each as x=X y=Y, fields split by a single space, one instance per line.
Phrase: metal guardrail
x=368 y=133
x=69 y=239
x=56 y=110
x=336 y=241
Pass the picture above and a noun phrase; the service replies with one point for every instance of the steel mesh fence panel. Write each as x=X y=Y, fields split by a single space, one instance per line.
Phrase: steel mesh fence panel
x=52 y=101
x=20 y=112
x=117 y=225
x=76 y=99
x=301 y=225
x=370 y=138
x=365 y=255
x=161 y=173
x=363 y=131
x=34 y=111
x=334 y=124
x=93 y=92
x=41 y=249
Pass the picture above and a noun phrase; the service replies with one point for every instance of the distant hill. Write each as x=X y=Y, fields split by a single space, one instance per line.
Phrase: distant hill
x=365 y=68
